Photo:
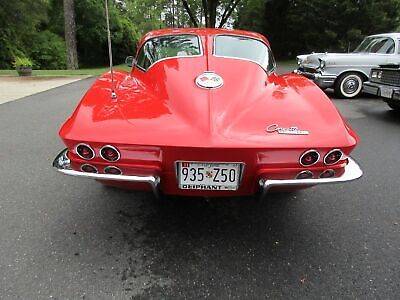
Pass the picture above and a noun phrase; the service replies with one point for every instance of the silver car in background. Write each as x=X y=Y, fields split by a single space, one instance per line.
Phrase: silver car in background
x=346 y=72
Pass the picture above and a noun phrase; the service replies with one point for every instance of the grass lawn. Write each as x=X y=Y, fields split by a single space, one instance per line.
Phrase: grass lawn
x=100 y=71
x=286 y=63
x=91 y=72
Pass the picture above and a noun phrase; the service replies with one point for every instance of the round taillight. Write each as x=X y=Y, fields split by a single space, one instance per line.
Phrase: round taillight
x=109 y=153
x=304 y=175
x=327 y=174
x=84 y=151
x=309 y=158
x=333 y=156
x=89 y=168
x=112 y=170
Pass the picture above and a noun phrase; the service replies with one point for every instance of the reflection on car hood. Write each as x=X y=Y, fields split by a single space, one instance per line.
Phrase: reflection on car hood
x=165 y=107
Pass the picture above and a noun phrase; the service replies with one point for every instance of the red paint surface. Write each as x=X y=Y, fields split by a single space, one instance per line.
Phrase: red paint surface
x=161 y=116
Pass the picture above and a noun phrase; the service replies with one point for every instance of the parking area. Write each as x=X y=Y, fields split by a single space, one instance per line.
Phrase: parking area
x=67 y=238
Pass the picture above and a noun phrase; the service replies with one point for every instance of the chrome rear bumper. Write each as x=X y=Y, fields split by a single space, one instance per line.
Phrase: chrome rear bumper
x=352 y=171
x=63 y=164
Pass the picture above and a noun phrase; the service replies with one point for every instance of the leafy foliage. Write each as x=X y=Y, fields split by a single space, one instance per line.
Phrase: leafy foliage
x=35 y=29
x=20 y=20
x=22 y=62
x=295 y=27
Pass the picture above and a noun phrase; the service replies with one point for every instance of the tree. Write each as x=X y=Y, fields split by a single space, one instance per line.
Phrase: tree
x=212 y=10
x=70 y=34
x=295 y=27
x=20 y=22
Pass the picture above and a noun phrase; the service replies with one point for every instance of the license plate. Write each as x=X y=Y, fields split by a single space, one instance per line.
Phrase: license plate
x=208 y=175
x=386 y=92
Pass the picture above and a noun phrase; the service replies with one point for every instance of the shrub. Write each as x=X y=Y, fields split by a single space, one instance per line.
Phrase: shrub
x=48 y=51
x=22 y=62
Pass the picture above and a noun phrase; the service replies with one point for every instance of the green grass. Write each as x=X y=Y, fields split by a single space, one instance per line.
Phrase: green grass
x=90 y=72
x=285 y=63
x=100 y=71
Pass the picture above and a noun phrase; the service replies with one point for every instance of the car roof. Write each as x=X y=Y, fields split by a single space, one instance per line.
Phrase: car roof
x=202 y=32
x=395 y=35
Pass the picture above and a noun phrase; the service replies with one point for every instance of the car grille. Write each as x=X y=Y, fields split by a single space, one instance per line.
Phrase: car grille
x=391 y=77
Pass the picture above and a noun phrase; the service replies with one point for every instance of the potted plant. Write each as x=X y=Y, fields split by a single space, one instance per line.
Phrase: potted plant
x=23 y=65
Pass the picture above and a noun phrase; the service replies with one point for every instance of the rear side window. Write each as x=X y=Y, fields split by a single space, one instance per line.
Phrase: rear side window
x=383 y=45
x=162 y=47
x=246 y=48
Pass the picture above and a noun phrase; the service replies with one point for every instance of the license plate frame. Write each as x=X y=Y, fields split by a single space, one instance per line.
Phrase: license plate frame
x=386 y=92
x=212 y=179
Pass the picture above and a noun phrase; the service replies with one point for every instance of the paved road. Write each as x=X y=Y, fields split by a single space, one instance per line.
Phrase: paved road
x=66 y=238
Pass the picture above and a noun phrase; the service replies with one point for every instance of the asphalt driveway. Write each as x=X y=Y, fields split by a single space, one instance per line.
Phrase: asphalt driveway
x=14 y=87
x=67 y=238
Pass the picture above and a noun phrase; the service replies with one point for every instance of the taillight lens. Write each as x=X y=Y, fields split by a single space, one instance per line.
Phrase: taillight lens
x=110 y=153
x=309 y=158
x=89 y=169
x=304 y=175
x=327 y=174
x=333 y=156
x=112 y=170
x=84 y=151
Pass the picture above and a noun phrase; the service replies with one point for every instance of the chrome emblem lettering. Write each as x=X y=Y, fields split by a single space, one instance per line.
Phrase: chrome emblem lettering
x=293 y=130
x=209 y=80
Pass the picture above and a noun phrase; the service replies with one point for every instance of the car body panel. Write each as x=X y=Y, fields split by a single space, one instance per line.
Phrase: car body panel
x=160 y=116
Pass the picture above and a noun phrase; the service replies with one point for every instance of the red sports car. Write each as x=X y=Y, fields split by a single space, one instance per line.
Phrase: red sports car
x=203 y=113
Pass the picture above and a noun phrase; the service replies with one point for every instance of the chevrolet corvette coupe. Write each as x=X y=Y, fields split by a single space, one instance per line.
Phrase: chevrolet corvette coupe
x=203 y=113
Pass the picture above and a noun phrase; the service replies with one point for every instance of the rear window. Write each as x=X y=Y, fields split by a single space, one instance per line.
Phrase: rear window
x=162 y=47
x=246 y=48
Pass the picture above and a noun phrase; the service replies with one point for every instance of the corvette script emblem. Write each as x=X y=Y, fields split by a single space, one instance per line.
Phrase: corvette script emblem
x=209 y=80
x=281 y=130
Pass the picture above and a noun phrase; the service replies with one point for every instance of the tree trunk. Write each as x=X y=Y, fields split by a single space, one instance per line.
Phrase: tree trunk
x=190 y=13
x=212 y=12
x=70 y=35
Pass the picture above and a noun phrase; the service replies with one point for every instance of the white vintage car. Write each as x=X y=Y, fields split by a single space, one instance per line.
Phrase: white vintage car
x=346 y=72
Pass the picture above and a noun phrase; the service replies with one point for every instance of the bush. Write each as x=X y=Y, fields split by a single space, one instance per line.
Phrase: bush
x=48 y=51
x=22 y=62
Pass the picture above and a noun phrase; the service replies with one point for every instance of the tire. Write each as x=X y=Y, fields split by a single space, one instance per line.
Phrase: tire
x=349 y=85
x=395 y=105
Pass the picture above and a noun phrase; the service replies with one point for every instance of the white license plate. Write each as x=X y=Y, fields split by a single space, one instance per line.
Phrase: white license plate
x=208 y=175
x=386 y=92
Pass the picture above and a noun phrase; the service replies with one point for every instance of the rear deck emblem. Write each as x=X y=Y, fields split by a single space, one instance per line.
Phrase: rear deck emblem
x=209 y=80
x=281 y=130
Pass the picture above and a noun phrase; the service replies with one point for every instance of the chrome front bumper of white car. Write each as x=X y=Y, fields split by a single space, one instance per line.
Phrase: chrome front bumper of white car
x=63 y=164
x=382 y=90
x=352 y=171
x=324 y=81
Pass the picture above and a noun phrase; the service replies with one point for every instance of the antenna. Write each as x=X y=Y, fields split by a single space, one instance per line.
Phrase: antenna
x=113 y=94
